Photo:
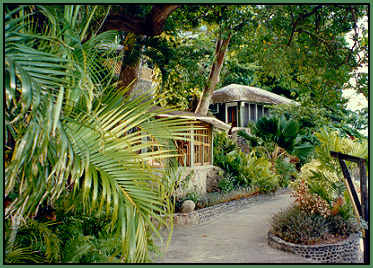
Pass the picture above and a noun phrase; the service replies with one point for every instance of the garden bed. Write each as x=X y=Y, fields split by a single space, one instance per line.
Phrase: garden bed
x=345 y=251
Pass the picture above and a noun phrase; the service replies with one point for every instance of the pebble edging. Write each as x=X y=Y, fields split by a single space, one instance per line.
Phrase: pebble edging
x=346 y=251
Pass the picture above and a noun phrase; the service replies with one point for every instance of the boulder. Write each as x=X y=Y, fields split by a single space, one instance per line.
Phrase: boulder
x=187 y=206
x=214 y=175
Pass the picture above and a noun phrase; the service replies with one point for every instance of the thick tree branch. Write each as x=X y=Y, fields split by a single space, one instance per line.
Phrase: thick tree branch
x=158 y=17
x=355 y=37
x=151 y=25
x=300 y=19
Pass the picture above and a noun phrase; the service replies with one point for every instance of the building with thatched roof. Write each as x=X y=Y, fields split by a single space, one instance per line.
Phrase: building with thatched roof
x=238 y=104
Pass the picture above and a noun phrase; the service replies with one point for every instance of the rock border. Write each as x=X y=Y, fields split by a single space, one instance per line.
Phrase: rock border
x=206 y=214
x=346 y=251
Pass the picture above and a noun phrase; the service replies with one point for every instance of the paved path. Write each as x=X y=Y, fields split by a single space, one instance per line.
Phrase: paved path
x=238 y=236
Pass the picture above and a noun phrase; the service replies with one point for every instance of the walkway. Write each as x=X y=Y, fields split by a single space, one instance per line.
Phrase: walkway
x=238 y=236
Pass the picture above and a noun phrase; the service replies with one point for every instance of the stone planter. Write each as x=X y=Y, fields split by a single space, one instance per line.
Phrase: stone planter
x=346 y=251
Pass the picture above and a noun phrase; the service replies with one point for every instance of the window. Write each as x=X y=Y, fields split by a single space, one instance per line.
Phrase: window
x=246 y=115
x=252 y=112
x=259 y=111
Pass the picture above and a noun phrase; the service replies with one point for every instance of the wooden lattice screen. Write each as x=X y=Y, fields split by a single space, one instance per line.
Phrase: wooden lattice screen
x=202 y=146
x=197 y=150
x=183 y=149
x=200 y=153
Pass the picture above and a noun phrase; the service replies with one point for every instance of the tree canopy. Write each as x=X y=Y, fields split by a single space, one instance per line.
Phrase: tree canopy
x=294 y=50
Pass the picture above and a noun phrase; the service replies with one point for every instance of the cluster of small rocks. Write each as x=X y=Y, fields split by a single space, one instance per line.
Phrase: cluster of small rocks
x=346 y=251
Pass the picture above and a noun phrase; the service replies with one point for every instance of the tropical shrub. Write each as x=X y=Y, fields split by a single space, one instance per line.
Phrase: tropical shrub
x=235 y=164
x=323 y=176
x=311 y=117
x=295 y=225
x=243 y=170
x=332 y=141
x=276 y=137
x=286 y=171
x=264 y=179
x=323 y=208
x=223 y=144
x=309 y=202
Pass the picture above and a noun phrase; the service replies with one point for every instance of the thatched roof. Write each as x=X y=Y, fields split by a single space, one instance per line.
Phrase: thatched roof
x=234 y=92
x=197 y=117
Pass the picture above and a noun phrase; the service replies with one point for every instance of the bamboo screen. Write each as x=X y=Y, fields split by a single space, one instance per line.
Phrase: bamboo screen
x=183 y=149
x=201 y=142
x=202 y=146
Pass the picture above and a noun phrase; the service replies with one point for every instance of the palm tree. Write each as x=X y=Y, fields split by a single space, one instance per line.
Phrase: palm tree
x=70 y=133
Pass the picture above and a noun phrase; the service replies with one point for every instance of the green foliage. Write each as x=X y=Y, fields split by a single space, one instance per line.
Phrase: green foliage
x=194 y=196
x=242 y=170
x=285 y=133
x=253 y=141
x=21 y=255
x=319 y=188
x=272 y=134
x=306 y=61
x=38 y=238
x=73 y=239
x=293 y=50
x=184 y=76
x=235 y=166
x=286 y=170
x=226 y=185
x=263 y=177
x=296 y=226
x=223 y=144
x=331 y=141
x=311 y=117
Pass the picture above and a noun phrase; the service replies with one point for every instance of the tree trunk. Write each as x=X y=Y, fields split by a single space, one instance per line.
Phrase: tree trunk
x=130 y=69
x=138 y=28
x=221 y=48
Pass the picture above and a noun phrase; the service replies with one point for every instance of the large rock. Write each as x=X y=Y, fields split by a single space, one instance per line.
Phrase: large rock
x=214 y=175
x=187 y=206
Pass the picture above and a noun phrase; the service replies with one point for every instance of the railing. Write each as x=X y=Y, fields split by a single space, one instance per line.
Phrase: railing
x=361 y=209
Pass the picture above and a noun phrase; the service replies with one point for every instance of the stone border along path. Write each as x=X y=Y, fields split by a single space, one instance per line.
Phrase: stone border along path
x=235 y=236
